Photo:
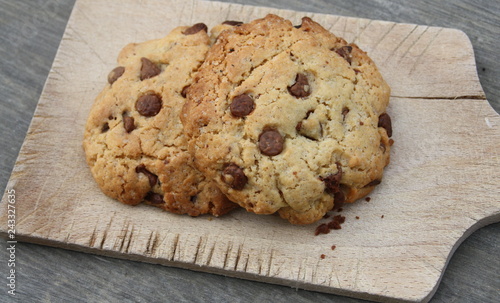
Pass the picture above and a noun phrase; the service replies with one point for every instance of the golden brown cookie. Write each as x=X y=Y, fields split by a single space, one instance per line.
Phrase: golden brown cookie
x=288 y=119
x=134 y=141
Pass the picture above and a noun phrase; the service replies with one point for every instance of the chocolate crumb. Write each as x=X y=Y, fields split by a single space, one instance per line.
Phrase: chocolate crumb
x=323 y=256
x=367 y=199
x=322 y=229
x=382 y=216
x=357 y=217
x=332 y=181
x=333 y=247
x=334 y=224
x=340 y=218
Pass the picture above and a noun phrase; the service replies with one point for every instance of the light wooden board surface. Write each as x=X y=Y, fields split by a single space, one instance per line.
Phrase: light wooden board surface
x=441 y=184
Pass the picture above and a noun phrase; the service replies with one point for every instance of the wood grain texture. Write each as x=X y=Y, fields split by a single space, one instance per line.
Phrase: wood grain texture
x=204 y=250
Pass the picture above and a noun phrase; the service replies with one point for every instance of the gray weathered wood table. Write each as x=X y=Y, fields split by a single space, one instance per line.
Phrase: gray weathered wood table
x=30 y=33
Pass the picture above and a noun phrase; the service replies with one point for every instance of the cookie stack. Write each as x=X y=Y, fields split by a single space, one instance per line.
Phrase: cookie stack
x=265 y=115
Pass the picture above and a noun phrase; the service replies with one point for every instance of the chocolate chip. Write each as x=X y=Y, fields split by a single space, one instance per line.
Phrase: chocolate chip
x=148 y=105
x=300 y=88
x=148 y=69
x=332 y=182
x=311 y=129
x=128 y=123
x=298 y=126
x=154 y=198
x=345 y=52
x=105 y=127
x=242 y=105
x=232 y=23
x=153 y=179
x=271 y=142
x=339 y=197
x=184 y=91
x=116 y=73
x=307 y=19
x=373 y=183
x=234 y=176
x=382 y=147
x=193 y=198
x=195 y=28
x=384 y=121
x=345 y=111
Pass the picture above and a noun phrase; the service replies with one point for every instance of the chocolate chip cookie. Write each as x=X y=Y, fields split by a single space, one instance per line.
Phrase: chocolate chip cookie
x=134 y=141
x=288 y=119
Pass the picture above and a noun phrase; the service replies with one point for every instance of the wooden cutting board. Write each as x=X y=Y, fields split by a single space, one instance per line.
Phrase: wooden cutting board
x=442 y=183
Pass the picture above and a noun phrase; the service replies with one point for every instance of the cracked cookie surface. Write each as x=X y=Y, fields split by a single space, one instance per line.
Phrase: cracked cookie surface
x=134 y=141
x=288 y=119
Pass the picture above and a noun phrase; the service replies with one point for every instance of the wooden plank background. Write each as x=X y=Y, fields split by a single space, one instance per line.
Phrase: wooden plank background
x=77 y=285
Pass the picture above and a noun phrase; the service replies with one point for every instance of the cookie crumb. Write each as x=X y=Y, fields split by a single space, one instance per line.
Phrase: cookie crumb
x=357 y=217
x=323 y=256
x=333 y=247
